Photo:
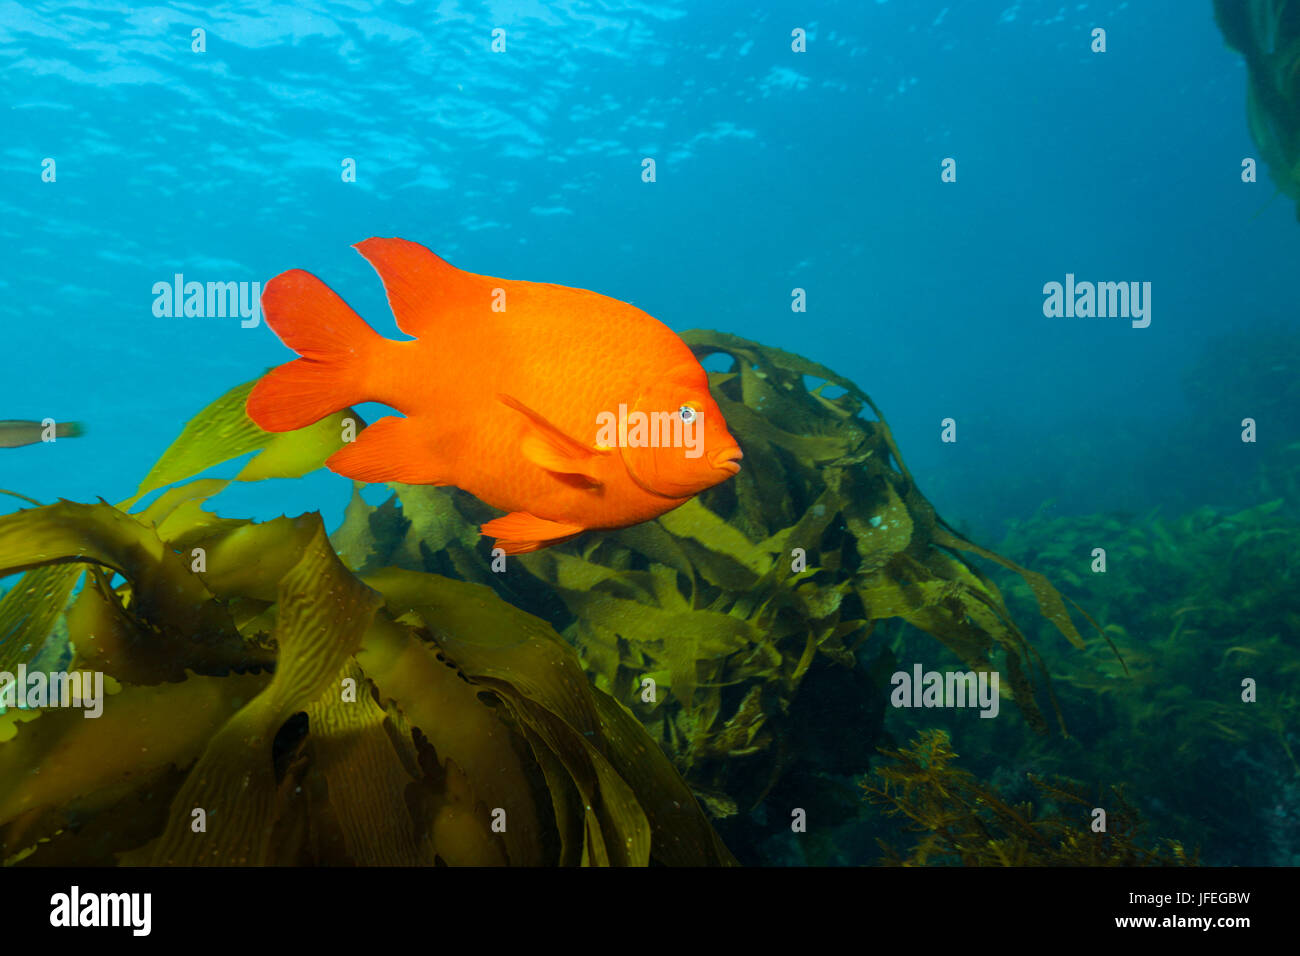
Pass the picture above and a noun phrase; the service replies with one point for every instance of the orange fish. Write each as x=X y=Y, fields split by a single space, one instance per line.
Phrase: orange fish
x=566 y=408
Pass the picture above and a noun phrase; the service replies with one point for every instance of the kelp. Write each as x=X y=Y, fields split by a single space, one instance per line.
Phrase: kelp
x=958 y=820
x=268 y=705
x=569 y=710
x=1267 y=34
x=707 y=622
x=1198 y=604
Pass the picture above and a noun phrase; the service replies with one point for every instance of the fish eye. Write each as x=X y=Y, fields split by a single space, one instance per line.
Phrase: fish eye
x=687 y=413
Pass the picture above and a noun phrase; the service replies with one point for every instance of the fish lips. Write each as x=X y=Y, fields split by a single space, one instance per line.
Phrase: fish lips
x=728 y=459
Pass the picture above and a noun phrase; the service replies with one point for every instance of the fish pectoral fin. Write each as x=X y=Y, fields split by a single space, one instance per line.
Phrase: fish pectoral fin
x=392 y=449
x=548 y=447
x=519 y=532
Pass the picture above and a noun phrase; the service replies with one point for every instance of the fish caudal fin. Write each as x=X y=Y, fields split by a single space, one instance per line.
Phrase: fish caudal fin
x=335 y=344
x=519 y=532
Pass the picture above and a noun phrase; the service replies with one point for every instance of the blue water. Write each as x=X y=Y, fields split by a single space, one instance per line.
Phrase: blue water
x=775 y=170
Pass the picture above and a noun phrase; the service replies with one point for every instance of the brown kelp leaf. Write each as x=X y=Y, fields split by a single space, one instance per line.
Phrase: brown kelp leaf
x=885 y=533
x=166 y=597
x=90 y=829
x=435 y=697
x=681 y=639
x=537 y=678
x=52 y=760
x=567 y=804
x=29 y=610
x=109 y=639
x=324 y=611
x=350 y=746
x=616 y=832
x=487 y=637
x=250 y=560
x=680 y=834
x=461 y=834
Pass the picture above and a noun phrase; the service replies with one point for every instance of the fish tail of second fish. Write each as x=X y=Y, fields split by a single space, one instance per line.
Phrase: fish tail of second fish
x=336 y=345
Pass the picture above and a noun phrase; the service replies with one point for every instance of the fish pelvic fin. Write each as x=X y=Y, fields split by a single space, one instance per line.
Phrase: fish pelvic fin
x=519 y=532
x=335 y=343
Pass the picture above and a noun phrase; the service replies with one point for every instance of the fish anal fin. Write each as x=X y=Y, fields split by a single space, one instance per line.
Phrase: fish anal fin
x=519 y=532
x=548 y=447
x=392 y=449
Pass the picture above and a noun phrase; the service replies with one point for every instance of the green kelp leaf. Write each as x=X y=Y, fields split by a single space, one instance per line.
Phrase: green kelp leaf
x=1049 y=599
x=813 y=449
x=354 y=539
x=649 y=538
x=351 y=747
x=572 y=573
x=680 y=639
x=324 y=611
x=218 y=433
x=692 y=521
x=173 y=499
x=63 y=754
x=435 y=520
x=223 y=431
x=886 y=532
x=30 y=609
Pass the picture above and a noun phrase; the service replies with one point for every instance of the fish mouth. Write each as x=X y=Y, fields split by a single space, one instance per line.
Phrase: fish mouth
x=729 y=460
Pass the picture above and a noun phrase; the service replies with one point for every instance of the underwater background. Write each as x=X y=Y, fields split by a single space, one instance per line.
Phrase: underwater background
x=776 y=170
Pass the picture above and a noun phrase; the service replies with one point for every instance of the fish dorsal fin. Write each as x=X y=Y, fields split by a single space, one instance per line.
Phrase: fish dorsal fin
x=548 y=447
x=422 y=288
